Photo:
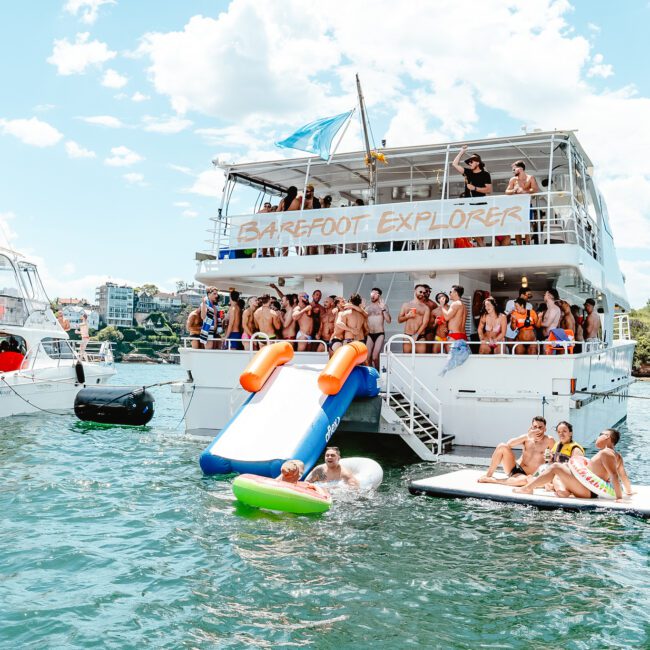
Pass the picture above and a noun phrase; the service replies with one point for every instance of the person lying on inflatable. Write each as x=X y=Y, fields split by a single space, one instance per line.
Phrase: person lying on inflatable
x=599 y=477
x=292 y=470
x=331 y=471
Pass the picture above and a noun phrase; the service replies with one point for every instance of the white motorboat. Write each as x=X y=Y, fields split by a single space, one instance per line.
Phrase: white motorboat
x=407 y=234
x=42 y=369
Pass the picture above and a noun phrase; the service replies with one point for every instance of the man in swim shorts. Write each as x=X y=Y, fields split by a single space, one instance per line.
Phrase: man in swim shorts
x=234 y=331
x=534 y=444
x=378 y=314
x=302 y=316
x=266 y=319
x=455 y=313
x=331 y=471
x=606 y=464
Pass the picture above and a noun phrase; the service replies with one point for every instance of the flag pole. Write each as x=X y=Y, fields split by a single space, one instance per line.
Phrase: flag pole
x=372 y=163
x=345 y=128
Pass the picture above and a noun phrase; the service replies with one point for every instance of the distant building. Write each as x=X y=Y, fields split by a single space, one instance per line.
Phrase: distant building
x=115 y=304
x=73 y=315
x=71 y=302
x=191 y=296
x=144 y=303
x=167 y=302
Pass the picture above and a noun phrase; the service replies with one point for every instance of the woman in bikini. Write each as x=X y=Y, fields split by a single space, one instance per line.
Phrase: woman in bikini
x=523 y=321
x=491 y=328
x=440 y=324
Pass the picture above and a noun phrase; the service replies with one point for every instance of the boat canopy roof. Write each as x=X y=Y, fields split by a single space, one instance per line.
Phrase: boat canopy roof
x=347 y=172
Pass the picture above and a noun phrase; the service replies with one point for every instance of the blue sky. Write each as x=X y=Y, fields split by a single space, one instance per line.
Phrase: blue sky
x=112 y=111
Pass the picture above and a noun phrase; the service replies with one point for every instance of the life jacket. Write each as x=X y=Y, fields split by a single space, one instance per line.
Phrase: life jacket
x=562 y=453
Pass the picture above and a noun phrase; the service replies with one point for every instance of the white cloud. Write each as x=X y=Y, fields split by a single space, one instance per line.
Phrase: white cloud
x=104 y=120
x=113 y=79
x=32 y=131
x=208 y=183
x=165 y=125
x=637 y=281
x=123 y=157
x=43 y=108
x=75 y=150
x=7 y=234
x=139 y=97
x=181 y=169
x=73 y=58
x=68 y=268
x=88 y=9
x=182 y=204
x=600 y=69
x=190 y=214
x=134 y=178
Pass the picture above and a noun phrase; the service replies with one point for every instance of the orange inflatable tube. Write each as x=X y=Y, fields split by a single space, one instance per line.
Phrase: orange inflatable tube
x=339 y=367
x=263 y=364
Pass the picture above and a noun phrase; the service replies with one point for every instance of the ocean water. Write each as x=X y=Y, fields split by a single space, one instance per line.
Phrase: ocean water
x=110 y=537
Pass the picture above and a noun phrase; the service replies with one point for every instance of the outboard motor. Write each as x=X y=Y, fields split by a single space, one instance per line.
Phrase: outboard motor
x=114 y=405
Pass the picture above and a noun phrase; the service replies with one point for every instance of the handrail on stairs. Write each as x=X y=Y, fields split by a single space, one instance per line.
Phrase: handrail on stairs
x=393 y=365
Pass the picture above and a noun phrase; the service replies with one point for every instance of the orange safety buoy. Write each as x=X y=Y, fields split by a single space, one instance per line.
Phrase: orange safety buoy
x=263 y=364
x=339 y=367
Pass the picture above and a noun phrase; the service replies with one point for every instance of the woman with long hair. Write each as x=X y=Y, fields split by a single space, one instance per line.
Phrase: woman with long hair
x=491 y=327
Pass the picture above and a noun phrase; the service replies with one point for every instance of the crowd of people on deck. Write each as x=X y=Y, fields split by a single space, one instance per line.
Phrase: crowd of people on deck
x=12 y=354
x=544 y=462
x=432 y=321
x=477 y=183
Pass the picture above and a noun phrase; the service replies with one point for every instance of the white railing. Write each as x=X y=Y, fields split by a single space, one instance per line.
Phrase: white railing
x=622 y=327
x=401 y=380
x=252 y=344
x=556 y=218
x=100 y=352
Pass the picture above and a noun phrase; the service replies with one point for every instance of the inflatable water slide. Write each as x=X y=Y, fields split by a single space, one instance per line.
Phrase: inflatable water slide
x=293 y=410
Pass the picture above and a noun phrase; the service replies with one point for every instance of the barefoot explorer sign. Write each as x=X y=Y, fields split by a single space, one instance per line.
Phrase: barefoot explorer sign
x=472 y=217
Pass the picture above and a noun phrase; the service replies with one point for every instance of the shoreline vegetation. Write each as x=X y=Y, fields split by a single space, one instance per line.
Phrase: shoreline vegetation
x=640 y=330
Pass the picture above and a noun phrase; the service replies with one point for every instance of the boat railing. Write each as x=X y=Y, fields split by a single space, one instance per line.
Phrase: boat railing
x=52 y=353
x=622 y=327
x=253 y=344
x=555 y=218
x=401 y=381
x=13 y=310
x=100 y=352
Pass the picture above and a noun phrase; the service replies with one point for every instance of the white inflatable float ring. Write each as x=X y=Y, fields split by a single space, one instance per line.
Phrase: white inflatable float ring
x=368 y=473
x=602 y=488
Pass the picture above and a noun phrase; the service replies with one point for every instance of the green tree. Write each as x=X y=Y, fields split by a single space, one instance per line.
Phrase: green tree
x=110 y=333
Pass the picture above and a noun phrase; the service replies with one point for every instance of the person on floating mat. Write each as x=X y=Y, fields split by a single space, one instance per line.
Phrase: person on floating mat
x=535 y=443
x=331 y=471
x=605 y=470
x=562 y=452
x=292 y=470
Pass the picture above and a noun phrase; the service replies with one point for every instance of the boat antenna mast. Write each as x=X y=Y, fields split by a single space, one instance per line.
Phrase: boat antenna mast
x=371 y=160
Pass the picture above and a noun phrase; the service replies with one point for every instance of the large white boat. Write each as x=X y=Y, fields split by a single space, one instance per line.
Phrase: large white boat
x=404 y=236
x=42 y=369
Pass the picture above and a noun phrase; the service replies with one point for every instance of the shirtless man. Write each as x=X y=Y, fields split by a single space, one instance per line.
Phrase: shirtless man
x=233 y=331
x=248 y=323
x=302 y=316
x=331 y=470
x=535 y=443
x=266 y=319
x=415 y=315
x=378 y=314
x=351 y=323
x=591 y=326
x=521 y=183
x=552 y=315
x=607 y=463
x=327 y=319
x=455 y=313
x=289 y=326
x=193 y=326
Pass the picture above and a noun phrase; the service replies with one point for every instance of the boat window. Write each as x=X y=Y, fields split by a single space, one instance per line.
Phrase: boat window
x=57 y=348
x=8 y=281
x=32 y=282
x=12 y=304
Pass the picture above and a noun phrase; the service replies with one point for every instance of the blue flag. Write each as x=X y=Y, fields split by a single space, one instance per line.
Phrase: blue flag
x=316 y=137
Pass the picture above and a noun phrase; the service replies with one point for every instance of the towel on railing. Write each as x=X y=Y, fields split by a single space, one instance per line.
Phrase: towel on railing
x=208 y=322
x=458 y=354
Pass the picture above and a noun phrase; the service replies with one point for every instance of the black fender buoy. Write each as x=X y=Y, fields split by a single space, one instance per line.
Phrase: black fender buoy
x=80 y=372
x=114 y=405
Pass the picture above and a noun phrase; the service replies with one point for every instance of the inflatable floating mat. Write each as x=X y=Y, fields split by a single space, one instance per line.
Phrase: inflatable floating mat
x=462 y=484
x=263 y=492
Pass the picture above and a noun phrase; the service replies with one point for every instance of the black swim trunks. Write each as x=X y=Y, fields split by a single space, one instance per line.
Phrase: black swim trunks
x=517 y=469
x=375 y=335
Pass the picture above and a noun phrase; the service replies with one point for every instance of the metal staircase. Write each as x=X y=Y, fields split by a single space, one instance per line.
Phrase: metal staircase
x=410 y=403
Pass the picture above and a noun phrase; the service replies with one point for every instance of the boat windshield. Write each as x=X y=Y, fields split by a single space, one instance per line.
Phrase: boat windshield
x=12 y=303
x=34 y=290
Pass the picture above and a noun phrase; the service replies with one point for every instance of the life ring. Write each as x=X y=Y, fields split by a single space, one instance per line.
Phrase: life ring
x=593 y=482
x=263 y=492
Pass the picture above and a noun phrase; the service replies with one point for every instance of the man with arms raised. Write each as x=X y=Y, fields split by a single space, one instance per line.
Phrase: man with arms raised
x=331 y=470
x=266 y=319
x=302 y=316
x=553 y=314
x=607 y=464
x=455 y=313
x=534 y=443
x=591 y=325
x=378 y=314
x=351 y=323
x=415 y=315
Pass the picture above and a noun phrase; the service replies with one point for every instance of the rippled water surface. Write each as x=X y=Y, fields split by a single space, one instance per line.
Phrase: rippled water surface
x=111 y=537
